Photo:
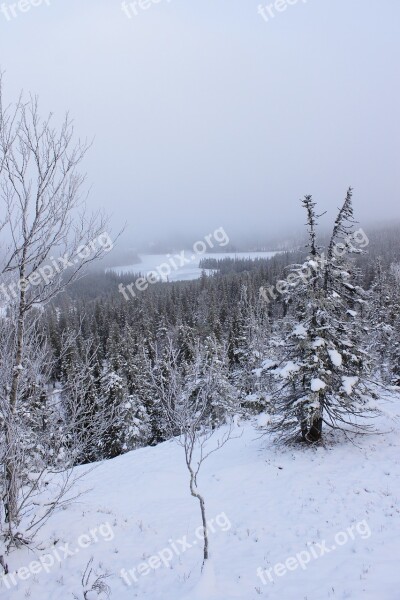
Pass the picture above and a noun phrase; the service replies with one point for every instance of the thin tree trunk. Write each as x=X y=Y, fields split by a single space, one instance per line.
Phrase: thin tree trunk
x=12 y=440
x=195 y=494
x=11 y=480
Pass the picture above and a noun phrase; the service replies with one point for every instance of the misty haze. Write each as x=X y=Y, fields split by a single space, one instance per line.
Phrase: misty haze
x=199 y=300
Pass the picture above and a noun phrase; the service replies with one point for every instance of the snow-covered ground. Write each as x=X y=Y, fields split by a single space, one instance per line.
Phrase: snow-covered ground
x=178 y=271
x=269 y=509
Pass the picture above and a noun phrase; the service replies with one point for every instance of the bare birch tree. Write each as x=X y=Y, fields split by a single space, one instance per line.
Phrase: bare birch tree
x=48 y=238
x=187 y=393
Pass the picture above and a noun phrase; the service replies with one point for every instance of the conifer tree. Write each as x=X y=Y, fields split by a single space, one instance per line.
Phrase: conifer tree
x=324 y=363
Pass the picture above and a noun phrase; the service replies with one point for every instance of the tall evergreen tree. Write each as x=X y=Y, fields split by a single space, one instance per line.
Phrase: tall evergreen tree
x=322 y=376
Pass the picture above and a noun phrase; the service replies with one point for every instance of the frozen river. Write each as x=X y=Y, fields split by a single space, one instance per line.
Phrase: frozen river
x=183 y=266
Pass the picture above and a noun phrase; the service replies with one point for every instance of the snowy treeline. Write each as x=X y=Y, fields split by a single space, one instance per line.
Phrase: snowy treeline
x=318 y=343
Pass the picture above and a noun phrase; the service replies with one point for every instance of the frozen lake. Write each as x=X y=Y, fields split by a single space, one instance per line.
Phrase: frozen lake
x=183 y=266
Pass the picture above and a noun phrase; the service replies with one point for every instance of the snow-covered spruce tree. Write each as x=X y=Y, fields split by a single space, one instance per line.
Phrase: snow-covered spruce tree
x=130 y=424
x=382 y=318
x=137 y=424
x=249 y=344
x=154 y=375
x=323 y=367
x=126 y=361
x=113 y=393
x=394 y=318
x=395 y=356
x=93 y=404
x=140 y=398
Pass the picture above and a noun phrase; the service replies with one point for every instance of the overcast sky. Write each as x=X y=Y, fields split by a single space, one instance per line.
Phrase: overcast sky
x=205 y=115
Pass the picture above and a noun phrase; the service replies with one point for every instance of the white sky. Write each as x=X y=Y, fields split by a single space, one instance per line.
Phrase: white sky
x=204 y=115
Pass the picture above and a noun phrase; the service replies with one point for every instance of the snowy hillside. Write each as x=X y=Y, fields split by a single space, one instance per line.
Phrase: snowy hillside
x=265 y=507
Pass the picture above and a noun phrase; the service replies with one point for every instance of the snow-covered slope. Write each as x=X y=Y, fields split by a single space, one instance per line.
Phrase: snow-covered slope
x=267 y=506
